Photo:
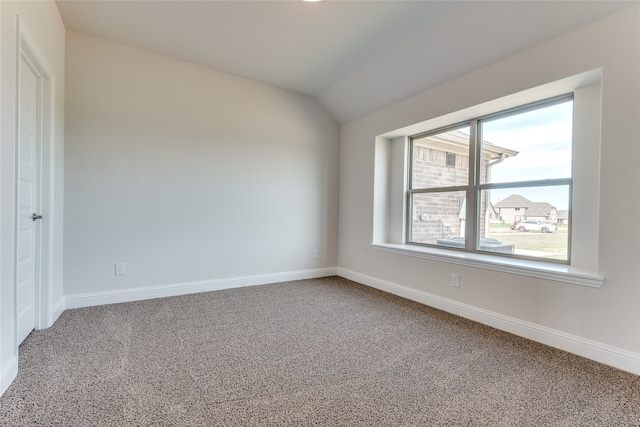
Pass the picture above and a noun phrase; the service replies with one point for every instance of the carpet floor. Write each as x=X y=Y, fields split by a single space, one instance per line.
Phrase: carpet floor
x=325 y=352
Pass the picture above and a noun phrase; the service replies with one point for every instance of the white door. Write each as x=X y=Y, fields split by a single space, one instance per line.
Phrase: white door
x=27 y=201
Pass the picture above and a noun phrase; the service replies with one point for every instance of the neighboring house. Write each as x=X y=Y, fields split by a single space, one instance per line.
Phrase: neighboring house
x=516 y=208
x=563 y=217
x=492 y=214
x=442 y=160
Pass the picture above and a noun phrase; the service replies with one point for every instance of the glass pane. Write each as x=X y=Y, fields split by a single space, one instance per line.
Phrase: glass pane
x=441 y=160
x=437 y=216
x=528 y=146
x=534 y=221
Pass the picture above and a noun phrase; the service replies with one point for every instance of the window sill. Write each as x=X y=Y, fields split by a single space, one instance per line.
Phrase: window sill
x=538 y=269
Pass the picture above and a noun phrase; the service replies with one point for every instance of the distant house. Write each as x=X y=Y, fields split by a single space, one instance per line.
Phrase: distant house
x=563 y=217
x=516 y=208
x=492 y=214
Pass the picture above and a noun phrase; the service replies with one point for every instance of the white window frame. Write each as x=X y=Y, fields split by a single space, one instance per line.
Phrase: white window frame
x=390 y=186
x=473 y=188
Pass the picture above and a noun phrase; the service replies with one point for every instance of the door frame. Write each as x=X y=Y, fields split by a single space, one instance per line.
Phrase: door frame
x=32 y=55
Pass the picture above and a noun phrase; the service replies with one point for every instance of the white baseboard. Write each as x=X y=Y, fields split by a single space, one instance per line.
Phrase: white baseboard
x=603 y=353
x=8 y=373
x=58 y=309
x=150 y=292
x=53 y=312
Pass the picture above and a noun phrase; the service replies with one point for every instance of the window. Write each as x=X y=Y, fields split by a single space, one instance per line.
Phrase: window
x=394 y=216
x=512 y=176
x=451 y=160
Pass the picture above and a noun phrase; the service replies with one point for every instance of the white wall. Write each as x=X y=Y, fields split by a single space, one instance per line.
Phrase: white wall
x=44 y=25
x=600 y=323
x=189 y=175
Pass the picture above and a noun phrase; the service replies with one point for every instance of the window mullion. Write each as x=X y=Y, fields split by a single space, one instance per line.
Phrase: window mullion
x=526 y=184
x=409 y=196
x=471 y=207
x=439 y=189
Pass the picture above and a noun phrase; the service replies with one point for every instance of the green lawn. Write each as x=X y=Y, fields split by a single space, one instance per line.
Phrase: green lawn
x=547 y=245
x=500 y=225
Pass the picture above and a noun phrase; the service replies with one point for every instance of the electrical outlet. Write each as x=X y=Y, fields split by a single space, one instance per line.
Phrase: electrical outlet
x=121 y=269
x=455 y=280
x=314 y=254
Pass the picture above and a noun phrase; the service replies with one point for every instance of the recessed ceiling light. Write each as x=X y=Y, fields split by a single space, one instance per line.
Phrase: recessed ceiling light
x=312 y=1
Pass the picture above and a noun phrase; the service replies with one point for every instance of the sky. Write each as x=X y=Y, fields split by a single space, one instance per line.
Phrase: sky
x=543 y=139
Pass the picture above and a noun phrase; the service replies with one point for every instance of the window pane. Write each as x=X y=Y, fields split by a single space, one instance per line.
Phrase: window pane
x=437 y=216
x=534 y=220
x=441 y=160
x=535 y=144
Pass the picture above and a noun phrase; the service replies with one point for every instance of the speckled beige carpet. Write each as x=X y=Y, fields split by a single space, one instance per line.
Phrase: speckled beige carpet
x=316 y=352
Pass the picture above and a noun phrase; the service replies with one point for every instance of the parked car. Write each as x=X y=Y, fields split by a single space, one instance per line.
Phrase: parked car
x=531 y=225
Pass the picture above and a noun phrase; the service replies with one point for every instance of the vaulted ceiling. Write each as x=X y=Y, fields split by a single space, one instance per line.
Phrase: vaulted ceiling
x=353 y=56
